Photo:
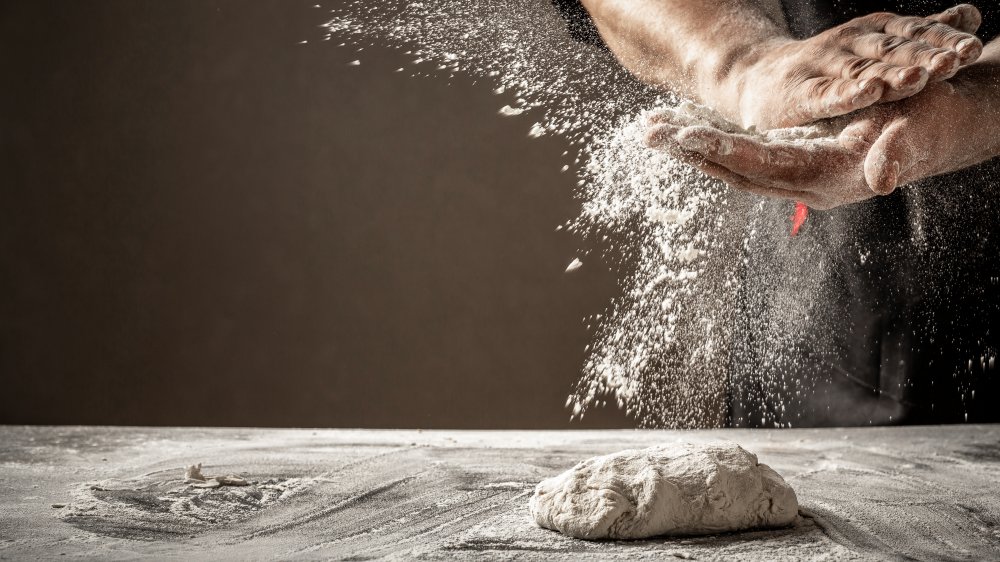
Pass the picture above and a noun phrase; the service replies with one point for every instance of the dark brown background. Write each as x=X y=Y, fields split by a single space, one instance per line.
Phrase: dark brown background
x=203 y=222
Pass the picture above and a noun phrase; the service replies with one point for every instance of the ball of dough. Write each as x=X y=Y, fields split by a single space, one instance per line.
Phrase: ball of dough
x=669 y=490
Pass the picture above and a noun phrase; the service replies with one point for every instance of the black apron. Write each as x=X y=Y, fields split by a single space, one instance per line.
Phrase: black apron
x=881 y=312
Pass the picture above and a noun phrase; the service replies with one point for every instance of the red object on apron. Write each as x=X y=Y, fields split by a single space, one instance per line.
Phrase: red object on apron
x=799 y=217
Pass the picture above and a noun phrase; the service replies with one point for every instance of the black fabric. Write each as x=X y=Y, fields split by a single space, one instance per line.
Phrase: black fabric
x=883 y=312
x=578 y=21
x=808 y=17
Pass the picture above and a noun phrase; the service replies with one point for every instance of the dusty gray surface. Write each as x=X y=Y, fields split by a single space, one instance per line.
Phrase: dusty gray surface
x=117 y=493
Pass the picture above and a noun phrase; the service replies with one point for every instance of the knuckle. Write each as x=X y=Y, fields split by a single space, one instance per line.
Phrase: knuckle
x=796 y=77
x=819 y=52
x=878 y=19
x=930 y=54
x=857 y=65
x=889 y=45
x=819 y=87
x=920 y=27
x=845 y=34
x=888 y=72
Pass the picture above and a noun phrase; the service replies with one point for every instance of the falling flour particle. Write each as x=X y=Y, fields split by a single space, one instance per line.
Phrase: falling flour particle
x=681 y=489
x=661 y=350
x=354 y=63
x=508 y=111
x=574 y=265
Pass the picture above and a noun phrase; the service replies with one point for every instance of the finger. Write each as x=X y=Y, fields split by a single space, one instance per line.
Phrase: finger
x=688 y=113
x=660 y=117
x=773 y=164
x=742 y=183
x=939 y=63
x=901 y=82
x=860 y=135
x=829 y=97
x=886 y=159
x=674 y=116
x=964 y=17
x=967 y=46
x=661 y=136
x=664 y=138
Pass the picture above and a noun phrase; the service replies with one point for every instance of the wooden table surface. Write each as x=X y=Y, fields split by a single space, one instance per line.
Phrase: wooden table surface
x=118 y=493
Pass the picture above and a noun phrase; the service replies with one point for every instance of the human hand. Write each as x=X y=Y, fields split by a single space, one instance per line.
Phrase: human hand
x=948 y=126
x=823 y=172
x=876 y=58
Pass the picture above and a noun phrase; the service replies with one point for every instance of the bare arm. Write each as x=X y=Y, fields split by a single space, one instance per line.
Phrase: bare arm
x=690 y=46
x=956 y=128
x=732 y=56
x=949 y=126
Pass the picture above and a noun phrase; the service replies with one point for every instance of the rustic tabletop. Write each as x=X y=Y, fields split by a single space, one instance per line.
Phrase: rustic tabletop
x=118 y=492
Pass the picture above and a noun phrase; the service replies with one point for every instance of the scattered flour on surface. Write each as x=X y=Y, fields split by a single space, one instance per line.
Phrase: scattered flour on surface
x=159 y=504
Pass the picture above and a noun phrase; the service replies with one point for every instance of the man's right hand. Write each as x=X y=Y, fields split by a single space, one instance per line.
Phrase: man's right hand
x=880 y=57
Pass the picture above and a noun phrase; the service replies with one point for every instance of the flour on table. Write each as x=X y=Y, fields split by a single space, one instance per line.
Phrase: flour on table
x=670 y=490
x=160 y=504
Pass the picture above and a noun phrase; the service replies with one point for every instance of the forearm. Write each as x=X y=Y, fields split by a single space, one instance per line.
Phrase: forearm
x=982 y=79
x=688 y=46
x=952 y=126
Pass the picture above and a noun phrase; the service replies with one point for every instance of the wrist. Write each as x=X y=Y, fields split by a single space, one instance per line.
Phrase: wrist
x=979 y=89
x=733 y=85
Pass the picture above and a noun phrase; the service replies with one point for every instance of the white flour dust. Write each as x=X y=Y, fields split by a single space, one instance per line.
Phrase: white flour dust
x=660 y=350
x=168 y=503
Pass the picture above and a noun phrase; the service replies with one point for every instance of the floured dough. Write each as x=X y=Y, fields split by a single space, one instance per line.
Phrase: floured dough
x=671 y=490
x=193 y=476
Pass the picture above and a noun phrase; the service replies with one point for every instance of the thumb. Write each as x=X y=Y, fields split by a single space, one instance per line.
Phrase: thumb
x=859 y=135
x=890 y=155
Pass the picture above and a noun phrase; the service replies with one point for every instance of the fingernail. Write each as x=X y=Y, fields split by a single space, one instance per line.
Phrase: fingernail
x=966 y=45
x=863 y=85
x=893 y=178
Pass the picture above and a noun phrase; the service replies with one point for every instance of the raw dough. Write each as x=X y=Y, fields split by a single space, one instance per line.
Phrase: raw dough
x=670 y=490
x=193 y=476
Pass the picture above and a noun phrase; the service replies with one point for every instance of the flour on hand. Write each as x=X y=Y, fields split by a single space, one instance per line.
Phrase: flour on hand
x=670 y=490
